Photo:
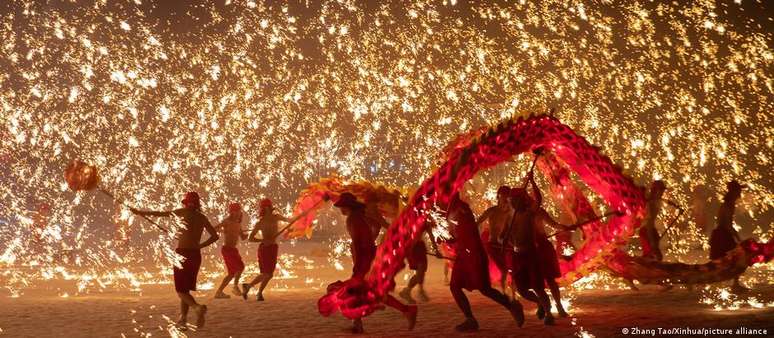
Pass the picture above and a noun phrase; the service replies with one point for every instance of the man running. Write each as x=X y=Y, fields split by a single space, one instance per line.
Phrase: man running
x=232 y=232
x=189 y=247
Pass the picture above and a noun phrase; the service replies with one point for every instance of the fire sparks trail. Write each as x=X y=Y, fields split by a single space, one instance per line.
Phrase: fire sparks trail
x=257 y=101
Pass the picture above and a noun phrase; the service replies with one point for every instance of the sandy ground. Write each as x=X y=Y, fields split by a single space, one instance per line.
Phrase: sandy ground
x=290 y=311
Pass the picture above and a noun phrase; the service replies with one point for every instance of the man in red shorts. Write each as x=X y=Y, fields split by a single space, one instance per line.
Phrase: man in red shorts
x=189 y=248
x=529 y=259
x=471 y=267
x=268 y=249
x=363 y=251
x=232 y=232
x=498 y=218
x=417 y=261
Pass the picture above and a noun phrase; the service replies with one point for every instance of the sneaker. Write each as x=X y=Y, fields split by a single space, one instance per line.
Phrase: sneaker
x=200 y=313
x=540 y=313
x=406 y=294
x=182 y=325
x=549 y=320
x=469 y=325
x=245 y=290
x=517 y=311
x=631 y=285
x=221 y=295
x=259 y=297
x=411 y=315
x=562 y=313
x=236 y=292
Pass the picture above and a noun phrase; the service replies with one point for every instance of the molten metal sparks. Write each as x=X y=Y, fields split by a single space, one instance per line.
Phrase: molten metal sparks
x=250 y=106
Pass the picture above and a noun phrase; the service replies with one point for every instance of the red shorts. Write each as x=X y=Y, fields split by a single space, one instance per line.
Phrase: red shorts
x=267 y=257
x=549 y=263
x=471 y=269
x=232 y=259
x=417 y=256
x=525 y=270
x=185 y=276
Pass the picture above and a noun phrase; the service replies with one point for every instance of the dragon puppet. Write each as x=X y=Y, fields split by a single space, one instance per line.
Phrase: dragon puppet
x=569 y=152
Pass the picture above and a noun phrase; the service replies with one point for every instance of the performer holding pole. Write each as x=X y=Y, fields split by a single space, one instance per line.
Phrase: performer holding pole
x=268 y=250
x=471 y=270
x=232 y=232
x=364 y=252
x=725 y=238
x=498 y=217
x=190 y=248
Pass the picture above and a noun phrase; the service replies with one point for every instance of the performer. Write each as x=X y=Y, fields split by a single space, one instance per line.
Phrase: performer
x=417 y=261
x=498 y=217
x=526 y=270
x=649 y=236
x=363 y=253
x=232 y=232
x=547 y=257
x=471 y=267
x=267 y=250
x=374 y=216
x=189 y=247
x=725 y=238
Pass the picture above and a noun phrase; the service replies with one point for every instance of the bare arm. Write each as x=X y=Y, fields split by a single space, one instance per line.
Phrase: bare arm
x=150 y=213
x=547 y=219
x=485 y=216
x=243 y=233
x=213 y=235
x=252 y=238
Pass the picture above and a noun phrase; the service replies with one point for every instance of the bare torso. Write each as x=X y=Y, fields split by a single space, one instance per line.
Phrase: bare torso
x=231 y=227
x=653 y=209
x=190 y=234
x=499 y=217
x=269 y=225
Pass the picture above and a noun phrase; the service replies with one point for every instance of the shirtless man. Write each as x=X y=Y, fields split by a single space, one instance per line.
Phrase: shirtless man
x=471 y=268
x=189 y=247
x=547 y=257
x=417 y=261
x=527 y=271
x=232 y=232
x=725 y=238
x=498 y=216
x=364 y=252
x=649 y=236
x=374 y=216
x=268 y=249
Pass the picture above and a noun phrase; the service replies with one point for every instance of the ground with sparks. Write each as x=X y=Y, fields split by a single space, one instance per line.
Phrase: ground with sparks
x=291 y=311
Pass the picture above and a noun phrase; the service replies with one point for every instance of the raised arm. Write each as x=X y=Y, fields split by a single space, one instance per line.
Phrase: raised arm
x=213 y=235
x=535 y=189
